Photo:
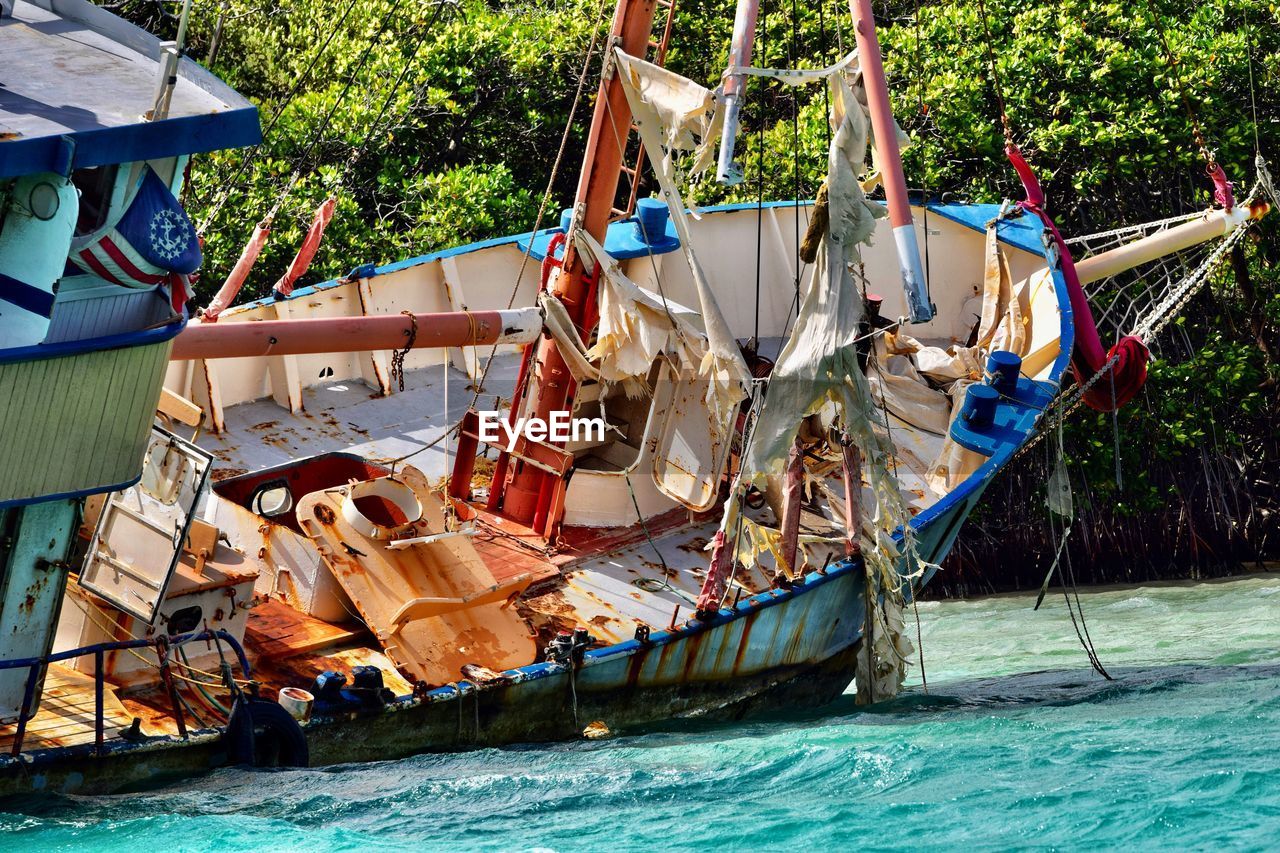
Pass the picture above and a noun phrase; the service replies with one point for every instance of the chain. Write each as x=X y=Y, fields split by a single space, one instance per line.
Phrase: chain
x=1173 y=303
x=1128 y=230
x=397 y=357
x=1156 y=320
x=1197 y=133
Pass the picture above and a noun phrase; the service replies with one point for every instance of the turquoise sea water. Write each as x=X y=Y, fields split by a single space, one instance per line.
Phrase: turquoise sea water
x=1017 y=743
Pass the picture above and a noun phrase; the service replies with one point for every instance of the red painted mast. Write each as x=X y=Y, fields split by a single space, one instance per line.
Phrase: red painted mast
x=919 y=309
x=527 y=495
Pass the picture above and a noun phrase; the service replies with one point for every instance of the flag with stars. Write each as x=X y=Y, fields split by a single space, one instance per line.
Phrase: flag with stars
x=152 y=243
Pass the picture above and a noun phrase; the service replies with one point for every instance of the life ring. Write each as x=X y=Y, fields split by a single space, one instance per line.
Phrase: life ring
x=263 y=734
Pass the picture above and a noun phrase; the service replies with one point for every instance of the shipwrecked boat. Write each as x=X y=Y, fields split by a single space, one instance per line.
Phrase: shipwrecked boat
x=342 y=541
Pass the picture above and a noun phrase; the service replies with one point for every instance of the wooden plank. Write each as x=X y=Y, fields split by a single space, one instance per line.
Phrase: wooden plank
x=180 y=408
x=276 y=630
x=67 y=712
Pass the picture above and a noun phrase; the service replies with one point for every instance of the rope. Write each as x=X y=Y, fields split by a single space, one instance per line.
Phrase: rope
x=795 y=145
x=358 y=151
x=418 y=41
x=995 y=75
x=546 y=199
x=666 y=571
x=1082 y=627
x=1115 y=435
x=760 y=92
x=824 y=46
x=214 y=703
x=109 y=628
x=324 y=122
x=926 y=118
x=924 y=679
x=256 y=151
x=1253 y=99
x=1197 y=133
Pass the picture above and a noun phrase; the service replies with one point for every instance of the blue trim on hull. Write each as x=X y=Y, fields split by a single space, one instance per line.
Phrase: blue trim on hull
x=107 y=342
x=196 y=134
x=738 y=643
x=374 y=270
x=66 y=496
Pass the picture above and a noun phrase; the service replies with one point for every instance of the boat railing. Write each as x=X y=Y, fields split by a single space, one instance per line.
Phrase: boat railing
x=162 y=644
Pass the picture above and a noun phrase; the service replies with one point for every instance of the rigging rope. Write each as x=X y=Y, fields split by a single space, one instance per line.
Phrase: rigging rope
x=256 y=151
x=995 y=75
x=1253 y=98
x=324 y=122
x=760 y=93
x=795 y=144
x=311 y=240
x=546 y=199
x=1197 y=132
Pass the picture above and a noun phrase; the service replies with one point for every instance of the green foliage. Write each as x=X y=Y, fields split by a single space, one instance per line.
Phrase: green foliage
x=458 y=151
x=488 y=86
x=462 y=148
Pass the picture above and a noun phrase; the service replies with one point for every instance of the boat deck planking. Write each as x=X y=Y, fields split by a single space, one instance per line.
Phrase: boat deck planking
x=275 y=630
x=67 y=713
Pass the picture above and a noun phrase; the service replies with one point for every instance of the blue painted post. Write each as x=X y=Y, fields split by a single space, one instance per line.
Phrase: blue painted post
x=979 y=408
x=97 y=702
x=1003 y=368
x=651 y=220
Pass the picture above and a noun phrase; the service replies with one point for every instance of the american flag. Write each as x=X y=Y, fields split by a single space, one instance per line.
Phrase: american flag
x=152 y=243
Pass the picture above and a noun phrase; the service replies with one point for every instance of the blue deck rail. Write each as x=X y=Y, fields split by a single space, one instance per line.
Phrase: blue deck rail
x=161 y=644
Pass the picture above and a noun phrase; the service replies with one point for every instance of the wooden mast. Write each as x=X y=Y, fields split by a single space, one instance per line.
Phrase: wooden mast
x=527 y=495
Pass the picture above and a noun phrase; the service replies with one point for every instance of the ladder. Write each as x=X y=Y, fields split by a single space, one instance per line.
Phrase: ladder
x=630 y=177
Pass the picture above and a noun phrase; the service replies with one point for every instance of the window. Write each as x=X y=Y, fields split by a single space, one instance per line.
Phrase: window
x=97 y=186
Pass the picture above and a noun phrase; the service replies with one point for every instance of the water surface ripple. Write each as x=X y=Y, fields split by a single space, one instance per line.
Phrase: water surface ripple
x=1016 y=743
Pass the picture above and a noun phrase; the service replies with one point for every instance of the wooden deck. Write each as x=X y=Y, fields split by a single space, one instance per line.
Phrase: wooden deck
x=275 y=630
x=66 y=715
x=510 y=549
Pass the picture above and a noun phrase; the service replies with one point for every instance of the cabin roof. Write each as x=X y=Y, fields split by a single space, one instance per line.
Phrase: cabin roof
x=76 y=85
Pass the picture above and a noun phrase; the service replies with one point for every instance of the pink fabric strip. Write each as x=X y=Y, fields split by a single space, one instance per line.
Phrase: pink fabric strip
x=231 y=287
x=307 y=251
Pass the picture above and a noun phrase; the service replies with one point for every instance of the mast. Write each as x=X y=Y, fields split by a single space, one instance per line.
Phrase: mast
x=744 y=36
x=527 y=496
x=886 y=141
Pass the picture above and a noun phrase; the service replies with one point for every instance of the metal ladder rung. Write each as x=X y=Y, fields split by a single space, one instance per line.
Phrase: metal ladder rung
x=658 y=46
